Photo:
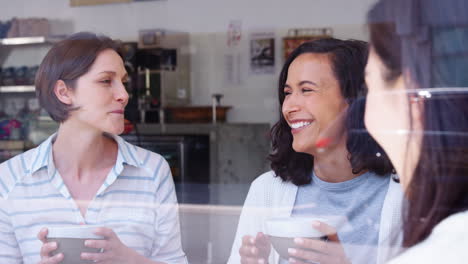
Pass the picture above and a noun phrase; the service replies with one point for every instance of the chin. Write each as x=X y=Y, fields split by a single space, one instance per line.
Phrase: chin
x=119 y=131
x=114 y=130
x=301 y=148
x=304 y=144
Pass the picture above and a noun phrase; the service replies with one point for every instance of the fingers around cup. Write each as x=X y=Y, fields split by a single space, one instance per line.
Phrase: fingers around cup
x=42 y=235
x=248 y=240
x=47 y=248
x=57 y=258
x=93 y=256
x=99 y=244
x=248 y=251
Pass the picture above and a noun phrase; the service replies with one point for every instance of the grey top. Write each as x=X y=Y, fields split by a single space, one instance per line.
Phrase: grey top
x=353 y=207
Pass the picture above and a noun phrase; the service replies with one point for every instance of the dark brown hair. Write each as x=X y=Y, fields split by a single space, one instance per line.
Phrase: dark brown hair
x=68 y=60
x=348 y=58
x=428 y=40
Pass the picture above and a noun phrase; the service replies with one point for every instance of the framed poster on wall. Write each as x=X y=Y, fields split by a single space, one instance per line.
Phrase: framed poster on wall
x=262 y=52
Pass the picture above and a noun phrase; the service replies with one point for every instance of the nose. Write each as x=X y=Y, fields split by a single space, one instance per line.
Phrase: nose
x=291 y=105
x=122 y=94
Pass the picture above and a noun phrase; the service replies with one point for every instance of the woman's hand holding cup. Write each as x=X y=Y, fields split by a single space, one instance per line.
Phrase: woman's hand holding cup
x=47 y=249
x=255 y=250
x=113 y=250
x=329 y=251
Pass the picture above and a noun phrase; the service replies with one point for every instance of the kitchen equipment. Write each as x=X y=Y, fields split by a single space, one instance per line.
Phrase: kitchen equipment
x=163 y=70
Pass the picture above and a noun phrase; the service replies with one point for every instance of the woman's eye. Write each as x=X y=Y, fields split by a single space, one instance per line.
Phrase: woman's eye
x=107 y=81
x=286 y=93
x=305 y=90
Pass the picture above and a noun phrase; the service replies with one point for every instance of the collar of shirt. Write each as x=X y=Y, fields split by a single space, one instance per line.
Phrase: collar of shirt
x=43 y=159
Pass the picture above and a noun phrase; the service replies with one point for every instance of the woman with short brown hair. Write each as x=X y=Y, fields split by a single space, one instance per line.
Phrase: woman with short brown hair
x=86 y=174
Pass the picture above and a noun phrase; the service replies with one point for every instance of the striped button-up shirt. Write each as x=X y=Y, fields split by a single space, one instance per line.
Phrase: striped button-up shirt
x=137 y=200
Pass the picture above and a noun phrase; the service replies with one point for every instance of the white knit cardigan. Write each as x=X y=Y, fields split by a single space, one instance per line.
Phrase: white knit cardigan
x=269 y=197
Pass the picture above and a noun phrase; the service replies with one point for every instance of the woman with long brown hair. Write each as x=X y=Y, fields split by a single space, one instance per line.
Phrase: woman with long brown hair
x=417 y=110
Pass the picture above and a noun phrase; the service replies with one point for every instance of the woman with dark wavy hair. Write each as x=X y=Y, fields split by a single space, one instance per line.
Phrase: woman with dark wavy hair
x=324 y=163
x=417 y=109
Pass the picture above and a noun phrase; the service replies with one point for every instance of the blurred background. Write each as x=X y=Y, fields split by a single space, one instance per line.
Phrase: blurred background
x=203 y=87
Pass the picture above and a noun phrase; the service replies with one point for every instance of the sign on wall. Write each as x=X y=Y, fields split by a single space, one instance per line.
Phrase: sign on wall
x=101 y=2
x=262 y=52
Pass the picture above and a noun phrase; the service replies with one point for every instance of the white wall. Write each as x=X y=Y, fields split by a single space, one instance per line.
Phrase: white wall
x=254 y=100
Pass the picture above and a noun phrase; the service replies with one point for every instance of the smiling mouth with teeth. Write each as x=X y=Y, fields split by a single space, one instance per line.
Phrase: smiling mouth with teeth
x=297 y=126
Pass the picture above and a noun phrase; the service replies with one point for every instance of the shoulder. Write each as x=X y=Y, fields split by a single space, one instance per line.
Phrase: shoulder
x=153 y=164
x=452 y=228
x=271 y=188
x=267 y=177
x=268 y=180
x=430 y=251
x=14 y=170
x=140 y=156
x=446 y=244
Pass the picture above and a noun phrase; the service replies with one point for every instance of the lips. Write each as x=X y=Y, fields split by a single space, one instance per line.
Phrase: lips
x=120 y=112
x=299 y=125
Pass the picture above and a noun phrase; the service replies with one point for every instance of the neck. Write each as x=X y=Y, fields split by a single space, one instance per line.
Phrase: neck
x=333 y=165
x=79 y=151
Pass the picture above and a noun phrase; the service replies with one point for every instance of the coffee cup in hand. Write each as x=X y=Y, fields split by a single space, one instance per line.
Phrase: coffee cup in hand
x=283 y=230
x=70 y=242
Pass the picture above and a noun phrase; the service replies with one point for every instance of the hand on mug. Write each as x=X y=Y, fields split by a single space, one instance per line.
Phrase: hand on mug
x=47 y=248
x=114 y=251
x=255 y=250
x=323 y=252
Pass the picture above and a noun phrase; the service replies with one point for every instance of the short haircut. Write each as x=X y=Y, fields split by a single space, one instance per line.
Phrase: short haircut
x=348 y=59
x=68 y=60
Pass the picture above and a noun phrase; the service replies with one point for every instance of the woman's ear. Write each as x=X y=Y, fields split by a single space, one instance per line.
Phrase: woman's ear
x=417 y=112
x=63 y=93
x=416 y=101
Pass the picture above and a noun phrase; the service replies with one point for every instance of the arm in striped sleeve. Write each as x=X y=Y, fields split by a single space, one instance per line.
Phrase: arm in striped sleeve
x=9 y=249
x=167 y=243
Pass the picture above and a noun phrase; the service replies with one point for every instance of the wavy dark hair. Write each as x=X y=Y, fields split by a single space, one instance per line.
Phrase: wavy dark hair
x=428 y=40
x=348 y=59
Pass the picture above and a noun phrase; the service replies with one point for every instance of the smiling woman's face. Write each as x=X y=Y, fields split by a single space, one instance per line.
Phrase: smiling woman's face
x=313 y=101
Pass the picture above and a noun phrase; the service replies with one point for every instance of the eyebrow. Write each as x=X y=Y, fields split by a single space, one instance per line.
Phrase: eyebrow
x=307 y=82
x=108 y=72
x=114 y=73
x=301 y=83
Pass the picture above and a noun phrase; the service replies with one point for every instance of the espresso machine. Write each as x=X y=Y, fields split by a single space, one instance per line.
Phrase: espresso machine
x=162 y=68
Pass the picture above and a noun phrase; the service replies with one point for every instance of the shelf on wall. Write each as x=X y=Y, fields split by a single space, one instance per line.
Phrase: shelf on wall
x=18 y=89
x=11 y=144
x=29 y=40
